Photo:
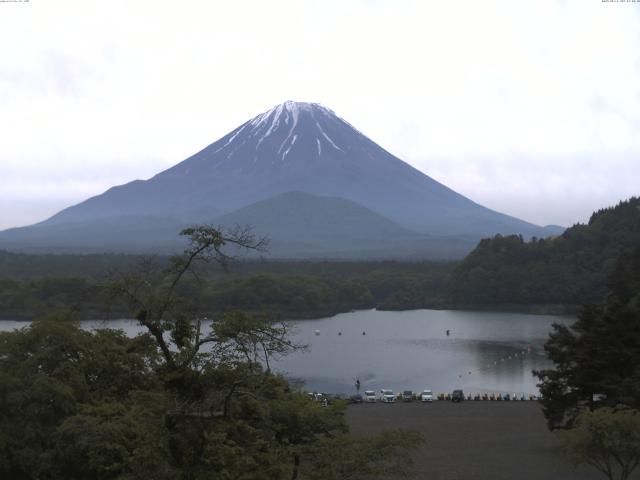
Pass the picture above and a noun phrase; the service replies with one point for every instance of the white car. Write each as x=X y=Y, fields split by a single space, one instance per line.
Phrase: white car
x=387 y=396
x=426 y=396
x=370 y=396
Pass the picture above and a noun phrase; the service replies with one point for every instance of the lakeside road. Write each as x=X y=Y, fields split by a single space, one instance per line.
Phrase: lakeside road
x=473 y=439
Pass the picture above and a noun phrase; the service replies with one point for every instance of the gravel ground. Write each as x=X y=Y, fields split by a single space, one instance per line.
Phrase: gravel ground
x=474 y=439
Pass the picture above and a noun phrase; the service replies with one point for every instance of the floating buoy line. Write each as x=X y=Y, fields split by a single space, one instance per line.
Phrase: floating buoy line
x=518 y=355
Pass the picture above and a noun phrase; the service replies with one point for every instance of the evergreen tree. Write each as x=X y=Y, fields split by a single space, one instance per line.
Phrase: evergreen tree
x=597 y=359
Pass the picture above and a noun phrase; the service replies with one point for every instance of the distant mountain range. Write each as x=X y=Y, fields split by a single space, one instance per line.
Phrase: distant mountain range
x=299 y=173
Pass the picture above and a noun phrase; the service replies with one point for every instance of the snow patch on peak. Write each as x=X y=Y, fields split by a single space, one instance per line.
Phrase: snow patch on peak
x=232 y=138
x=284 y=121
x=315 y=107
x=294 y=114
x=328 y=138
x=295 y=108
x=288 y=114
x=275 y=121
x=293 y=141
x=280 y=114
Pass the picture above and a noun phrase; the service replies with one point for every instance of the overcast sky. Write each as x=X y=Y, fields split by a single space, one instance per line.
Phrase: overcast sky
x=531 y=108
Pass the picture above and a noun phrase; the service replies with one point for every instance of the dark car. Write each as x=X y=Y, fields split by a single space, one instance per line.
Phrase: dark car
x=457 y=396
x=357 y=398
x=407 y=396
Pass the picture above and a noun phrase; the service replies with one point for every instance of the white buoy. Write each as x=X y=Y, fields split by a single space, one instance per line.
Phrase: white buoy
x=317 y=332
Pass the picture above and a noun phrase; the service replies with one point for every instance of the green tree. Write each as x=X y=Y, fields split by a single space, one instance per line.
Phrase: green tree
x=155 y=298
x=75 y=404
x=179 y=402
x=107 y=439
x=378 y=457
x=230 y=414
x=606 y=439
x=597 y=359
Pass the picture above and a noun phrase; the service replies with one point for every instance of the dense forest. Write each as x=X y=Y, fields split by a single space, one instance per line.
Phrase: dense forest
x=570 y=269
x=555 y=274
x=31 y=285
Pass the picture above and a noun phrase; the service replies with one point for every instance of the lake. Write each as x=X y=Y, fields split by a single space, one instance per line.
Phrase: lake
x=484 y=352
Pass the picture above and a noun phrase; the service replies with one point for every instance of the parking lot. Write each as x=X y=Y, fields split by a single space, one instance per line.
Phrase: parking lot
x=473 y=440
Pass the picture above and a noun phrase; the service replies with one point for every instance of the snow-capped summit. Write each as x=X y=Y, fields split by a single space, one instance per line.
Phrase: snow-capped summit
x=294 y=147
x=285 y=118
x=291 y=131
x=293 y=109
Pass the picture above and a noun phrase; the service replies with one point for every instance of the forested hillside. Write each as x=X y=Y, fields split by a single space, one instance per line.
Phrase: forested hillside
x=546 y=275
x=570 y=269
x=27 y=265
x=31 y=285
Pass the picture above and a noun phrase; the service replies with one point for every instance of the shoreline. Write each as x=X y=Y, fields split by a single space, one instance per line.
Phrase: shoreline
x=534 y=309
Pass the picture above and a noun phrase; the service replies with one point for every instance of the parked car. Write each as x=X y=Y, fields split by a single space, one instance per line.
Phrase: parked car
x=370 y=396
x=426 y=396
x=387 y=396
x=407 y=396
x=457 y=396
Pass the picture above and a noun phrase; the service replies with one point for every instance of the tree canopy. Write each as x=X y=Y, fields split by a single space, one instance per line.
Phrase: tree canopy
x=597 y=359
x=182 y=401
x=571 y=269
x=607 y=439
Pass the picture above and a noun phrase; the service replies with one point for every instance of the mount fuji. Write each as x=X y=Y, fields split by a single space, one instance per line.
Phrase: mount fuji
x=298 y=155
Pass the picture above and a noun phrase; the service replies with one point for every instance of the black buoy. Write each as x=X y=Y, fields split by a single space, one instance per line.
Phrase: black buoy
x=448 y=333
x=364 y=333
x=339 y=333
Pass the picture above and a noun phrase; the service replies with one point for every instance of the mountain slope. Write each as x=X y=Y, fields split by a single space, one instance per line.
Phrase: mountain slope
x=295 y=146
x=300 y=147
x=122 y=233
x=299 y=225
x=314 y=218
x=303 y=225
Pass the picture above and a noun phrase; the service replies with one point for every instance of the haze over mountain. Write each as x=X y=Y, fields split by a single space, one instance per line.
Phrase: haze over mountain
x=294 y=147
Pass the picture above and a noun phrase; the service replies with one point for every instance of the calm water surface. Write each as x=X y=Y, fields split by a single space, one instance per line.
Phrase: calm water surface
x=485 y=351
